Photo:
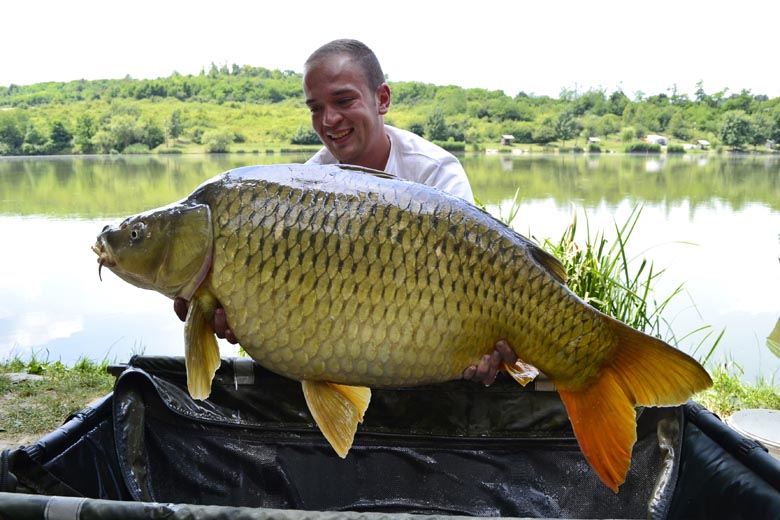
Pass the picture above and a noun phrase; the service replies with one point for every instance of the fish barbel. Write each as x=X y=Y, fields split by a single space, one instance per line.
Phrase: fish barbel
x=346 y=279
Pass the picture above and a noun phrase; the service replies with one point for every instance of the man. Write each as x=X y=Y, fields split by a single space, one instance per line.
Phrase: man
x=348 y=98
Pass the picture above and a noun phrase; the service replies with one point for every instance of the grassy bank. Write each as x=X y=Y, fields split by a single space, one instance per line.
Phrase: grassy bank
x=730 y=393
x=37 y=396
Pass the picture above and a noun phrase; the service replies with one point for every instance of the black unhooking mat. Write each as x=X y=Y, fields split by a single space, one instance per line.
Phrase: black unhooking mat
x=457 y=449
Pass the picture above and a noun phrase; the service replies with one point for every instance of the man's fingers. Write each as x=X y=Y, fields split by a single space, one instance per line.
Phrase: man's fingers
x=220 y=322
x=221 y=328
x=506 y=353
x=180 y=307
x=487 y=369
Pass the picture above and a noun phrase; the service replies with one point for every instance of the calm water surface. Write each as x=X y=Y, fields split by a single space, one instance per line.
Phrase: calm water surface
x=712 y=223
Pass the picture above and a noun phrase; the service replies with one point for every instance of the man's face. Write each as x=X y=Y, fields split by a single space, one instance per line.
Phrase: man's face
x=346 y=113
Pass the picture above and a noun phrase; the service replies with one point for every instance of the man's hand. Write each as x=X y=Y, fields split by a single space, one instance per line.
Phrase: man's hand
x=219 y=323
x=487 y=369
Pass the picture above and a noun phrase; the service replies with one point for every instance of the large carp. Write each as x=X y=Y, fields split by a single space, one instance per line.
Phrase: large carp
x=346 y=279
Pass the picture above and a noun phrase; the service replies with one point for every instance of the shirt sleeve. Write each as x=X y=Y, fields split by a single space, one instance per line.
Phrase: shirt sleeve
x=451 y=178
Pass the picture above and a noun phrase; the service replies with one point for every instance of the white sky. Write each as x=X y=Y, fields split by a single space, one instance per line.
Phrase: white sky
x=535 y=46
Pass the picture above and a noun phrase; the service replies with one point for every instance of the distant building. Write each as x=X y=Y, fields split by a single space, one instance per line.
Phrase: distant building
x=507 y=140
x=702 y=144
x=657 y=139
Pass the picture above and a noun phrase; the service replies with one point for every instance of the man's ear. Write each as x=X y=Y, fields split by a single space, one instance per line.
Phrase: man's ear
x=383 y=98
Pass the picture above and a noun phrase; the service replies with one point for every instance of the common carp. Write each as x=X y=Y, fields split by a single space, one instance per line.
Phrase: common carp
x=346 y=279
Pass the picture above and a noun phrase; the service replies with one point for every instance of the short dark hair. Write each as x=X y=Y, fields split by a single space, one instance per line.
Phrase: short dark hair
x=358 y=51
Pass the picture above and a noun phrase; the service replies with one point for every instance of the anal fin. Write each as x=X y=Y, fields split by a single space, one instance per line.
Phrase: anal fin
x=201 y=352
x=337 y=410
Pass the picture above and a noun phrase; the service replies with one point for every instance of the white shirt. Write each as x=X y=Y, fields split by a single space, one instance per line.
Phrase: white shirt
x=415 y=159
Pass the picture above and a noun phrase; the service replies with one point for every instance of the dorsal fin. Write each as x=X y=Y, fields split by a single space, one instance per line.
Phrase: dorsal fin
x=549 y=262
x=369 y=171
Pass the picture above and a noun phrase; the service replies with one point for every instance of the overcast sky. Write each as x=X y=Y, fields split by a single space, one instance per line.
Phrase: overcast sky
x=537 y=47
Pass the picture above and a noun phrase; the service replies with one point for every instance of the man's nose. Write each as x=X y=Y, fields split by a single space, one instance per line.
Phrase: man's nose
x=331 y=116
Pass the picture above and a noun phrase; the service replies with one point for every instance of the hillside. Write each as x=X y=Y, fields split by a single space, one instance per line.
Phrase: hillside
x=255 y=109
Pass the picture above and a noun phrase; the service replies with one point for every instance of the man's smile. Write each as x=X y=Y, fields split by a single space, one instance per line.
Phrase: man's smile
x=341 y=134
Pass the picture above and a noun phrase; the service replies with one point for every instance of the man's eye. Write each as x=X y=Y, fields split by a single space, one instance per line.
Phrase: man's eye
x=345 y=101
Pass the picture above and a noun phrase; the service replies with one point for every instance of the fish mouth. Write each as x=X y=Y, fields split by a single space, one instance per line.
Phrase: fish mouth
x=104 y=257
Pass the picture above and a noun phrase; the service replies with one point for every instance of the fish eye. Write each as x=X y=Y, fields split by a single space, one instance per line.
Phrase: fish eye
x=137 y=231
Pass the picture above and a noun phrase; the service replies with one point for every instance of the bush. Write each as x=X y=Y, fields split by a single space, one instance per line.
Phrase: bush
x=136 y=149
x=627 y=134
x=197 y=135
x=594 y=148
x=675 y=148
x=452 y=146
x=641 y=147
x=417 y=128
x=305 y=135
x=218 y=141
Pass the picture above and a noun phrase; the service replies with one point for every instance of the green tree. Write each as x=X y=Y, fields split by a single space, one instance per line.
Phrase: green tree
x=545 y=133
x=761 y=128
x=735 y=129
x=608 y=124
x=103 y=141
x=60 y=139
x=174 y=125
x=679 y=126
x=436 y=126
x=451 y=100
x=617 y=103
x=11 y=136
x=774 y=133
x=123 y=130
x=84 y=132
x=565 y=126
x=150 y=134
x=34 y=142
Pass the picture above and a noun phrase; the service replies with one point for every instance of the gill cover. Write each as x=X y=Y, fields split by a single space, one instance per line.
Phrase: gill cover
x=168 y=250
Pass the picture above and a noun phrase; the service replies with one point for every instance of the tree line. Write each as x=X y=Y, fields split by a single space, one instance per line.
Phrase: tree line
x=223 y=106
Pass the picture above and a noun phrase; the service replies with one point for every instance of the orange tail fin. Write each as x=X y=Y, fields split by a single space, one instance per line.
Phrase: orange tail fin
x=644 y=371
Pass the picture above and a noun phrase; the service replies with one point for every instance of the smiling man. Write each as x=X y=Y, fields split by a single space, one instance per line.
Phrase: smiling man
x=348 y=98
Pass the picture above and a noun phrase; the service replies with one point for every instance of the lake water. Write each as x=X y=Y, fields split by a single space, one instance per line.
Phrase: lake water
x=712 y=223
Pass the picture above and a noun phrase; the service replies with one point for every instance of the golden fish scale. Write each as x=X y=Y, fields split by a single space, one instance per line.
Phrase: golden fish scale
x=353 y=289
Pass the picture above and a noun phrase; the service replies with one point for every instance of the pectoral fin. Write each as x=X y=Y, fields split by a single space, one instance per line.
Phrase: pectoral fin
x=337 y=410
x=201 y=352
